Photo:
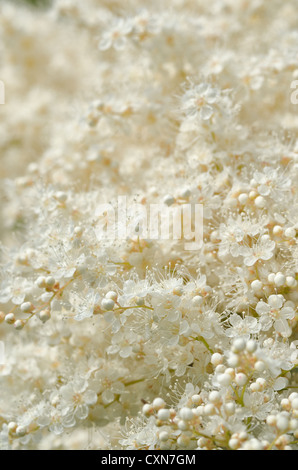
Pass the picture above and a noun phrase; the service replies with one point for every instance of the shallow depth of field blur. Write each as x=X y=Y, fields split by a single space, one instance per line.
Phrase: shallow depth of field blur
x=135 y=342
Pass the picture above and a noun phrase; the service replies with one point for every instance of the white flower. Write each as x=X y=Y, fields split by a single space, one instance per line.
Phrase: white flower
x=199 y=101
x=148 y=345
x=76 y=398
x=116 y=36
x=270 y=182
x=257 y=405
x=84 y=306
x=261 y=250
x=275 y=313
x=243 y=327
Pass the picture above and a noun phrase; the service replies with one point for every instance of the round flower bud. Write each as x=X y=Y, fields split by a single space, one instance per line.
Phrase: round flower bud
x=293 y=424
x=216 y=359
x=50 y=281
x=240 y=379
x=214 y=397
x=19 y=324
x=262 y=382
x=271 y=420
x=10 y=318
x=147 y=410
x=294 y=404
x=256 y=285
x=186 y=414
x=163 y=436
x=202 y=442
x=234 y=443
x=182 y=425
x=282 y=423
x=290 y=232
x=230 y=408
x=255 y=387
x=285 y=404
x=12 y=426
x=209 y=409
x=277 y=230
x=44 y=315
x=27 y=307
x=230 y=371
x=279 y=280
x=163 y=414
x=252 y=195
x=108 y=304
x=112 y=295
x=233 y=360
x=196 y=399
x=260 y=202
x=168 y=200
x=197 y=301
x=61 y=196
x=158 y=403
x=185 y=193
x=238 y=345
x=41 y=282
x=251 y=346
x=243 y=198
x=260 y=366
x=224 y=379
x=21 y=431
x=220 y=369
x=291 y=281
x=183 y=440
x=293 y=396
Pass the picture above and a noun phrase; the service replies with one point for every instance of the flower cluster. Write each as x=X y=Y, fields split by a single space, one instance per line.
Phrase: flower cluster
x=136 y=343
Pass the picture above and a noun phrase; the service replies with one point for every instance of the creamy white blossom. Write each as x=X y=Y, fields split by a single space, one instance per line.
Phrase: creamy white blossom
x=115 y=338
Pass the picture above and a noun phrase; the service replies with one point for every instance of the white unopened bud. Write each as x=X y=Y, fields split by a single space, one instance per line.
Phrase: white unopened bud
x=21 y=431
x=241 y=379
x=291 y=281
x=112 y=295
x=158 y=403
x=279 y=280
x=27 y=307
x=164 y=436
x=238 y=345
x=163 y=414
x=256 y=285
x=214 y=397
x=260 y=202
x=216 y=359
x=243 y=198
x=147 y=409
x=108 y=304
x=277 y=230
x=186 y=414
x=224 y=379
x=19 y=324
x=169 y=200
x=61 y=196
x=290 y=232
x=44 y=315
x=10 y=318
x=50 y=281
x=40 y=282
x=197 y=301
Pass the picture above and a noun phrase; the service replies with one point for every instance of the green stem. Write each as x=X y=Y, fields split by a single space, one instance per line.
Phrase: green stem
x=202 y=340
